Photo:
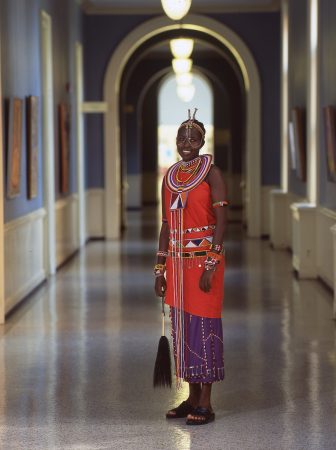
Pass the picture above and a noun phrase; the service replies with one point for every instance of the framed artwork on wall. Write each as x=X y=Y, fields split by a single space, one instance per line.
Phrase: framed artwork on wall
x=32 y=146
x=329 y=119
x=299 y=140
x=14 y=150
x=292 y=145
x=64 y=139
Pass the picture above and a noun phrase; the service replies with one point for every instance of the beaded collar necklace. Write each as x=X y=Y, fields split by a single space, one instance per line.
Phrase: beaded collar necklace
x=173 y=182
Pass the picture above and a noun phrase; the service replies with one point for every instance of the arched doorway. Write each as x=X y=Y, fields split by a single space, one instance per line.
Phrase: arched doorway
x=112 y=79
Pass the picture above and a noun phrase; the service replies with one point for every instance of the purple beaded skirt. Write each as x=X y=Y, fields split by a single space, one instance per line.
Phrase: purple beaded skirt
x=203 y=348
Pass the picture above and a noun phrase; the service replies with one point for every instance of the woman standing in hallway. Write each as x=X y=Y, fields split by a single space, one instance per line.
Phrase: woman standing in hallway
x=190 y=269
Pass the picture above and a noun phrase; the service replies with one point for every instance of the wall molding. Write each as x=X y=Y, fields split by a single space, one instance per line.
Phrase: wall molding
x=25 y=258
x=94 y=107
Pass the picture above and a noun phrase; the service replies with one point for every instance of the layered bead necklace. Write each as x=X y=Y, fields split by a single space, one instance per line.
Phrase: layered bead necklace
x=190 y=168
x=184 y=176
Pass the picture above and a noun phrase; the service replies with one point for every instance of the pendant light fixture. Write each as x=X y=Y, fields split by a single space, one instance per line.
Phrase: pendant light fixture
x=184 y=79
x=186 y=93
x=181 y=47
x=182 y=65
x=176 y=9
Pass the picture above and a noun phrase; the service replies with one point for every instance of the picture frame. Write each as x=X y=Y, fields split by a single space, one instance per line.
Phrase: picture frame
x=292 y=145
x=14 y=150
x=32 y=146
x=64 y=139
x=299 y=140
x=329 y=119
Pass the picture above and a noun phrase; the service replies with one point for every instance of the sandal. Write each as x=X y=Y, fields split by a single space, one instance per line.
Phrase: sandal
x=205 y=414
x=180 y=411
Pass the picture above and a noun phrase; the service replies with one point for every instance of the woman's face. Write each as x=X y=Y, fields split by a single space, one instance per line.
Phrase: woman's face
x=189 y=142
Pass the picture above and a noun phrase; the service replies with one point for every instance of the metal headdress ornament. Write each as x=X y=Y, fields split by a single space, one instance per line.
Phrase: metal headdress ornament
x=190 y=123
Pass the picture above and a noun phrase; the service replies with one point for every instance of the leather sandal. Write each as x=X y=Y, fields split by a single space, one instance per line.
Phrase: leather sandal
x=180 y=411
x=205 y=414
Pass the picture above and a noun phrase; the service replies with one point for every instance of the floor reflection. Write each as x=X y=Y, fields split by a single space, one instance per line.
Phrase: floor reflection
x=76 y=359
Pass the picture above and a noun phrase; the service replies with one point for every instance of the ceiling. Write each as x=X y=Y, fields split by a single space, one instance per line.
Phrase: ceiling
x=154 y=6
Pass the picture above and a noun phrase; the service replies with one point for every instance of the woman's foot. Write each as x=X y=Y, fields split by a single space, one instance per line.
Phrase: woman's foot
x=201 y=416
x=182 y=410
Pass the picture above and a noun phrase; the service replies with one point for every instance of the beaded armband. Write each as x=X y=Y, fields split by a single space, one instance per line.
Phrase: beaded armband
x=159 y=270
x=220 y=203
x=164 y=220
x=217 y=248
x=162 y=253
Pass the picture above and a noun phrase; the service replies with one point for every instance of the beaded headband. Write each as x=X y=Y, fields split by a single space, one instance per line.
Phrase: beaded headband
x=191 y=123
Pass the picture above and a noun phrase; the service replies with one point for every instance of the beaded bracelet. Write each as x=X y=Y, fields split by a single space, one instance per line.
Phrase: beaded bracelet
x=162 y=253
x=159 y=270
x=216 y=256
x=220 y=203
x=212 y=260
x=216 y=247
x=210 y=264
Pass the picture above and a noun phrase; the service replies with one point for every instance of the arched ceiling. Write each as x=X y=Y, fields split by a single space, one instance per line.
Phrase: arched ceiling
x=206 y=48
x=198 y=6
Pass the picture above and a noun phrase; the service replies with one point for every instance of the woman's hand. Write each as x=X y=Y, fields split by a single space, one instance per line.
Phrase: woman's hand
x=206 y=280
x=160 y=286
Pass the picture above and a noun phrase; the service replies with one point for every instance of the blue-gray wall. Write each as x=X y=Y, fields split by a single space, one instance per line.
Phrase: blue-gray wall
x=260 y=31
x=297 y=73
x=21 y=77
x=327 y=92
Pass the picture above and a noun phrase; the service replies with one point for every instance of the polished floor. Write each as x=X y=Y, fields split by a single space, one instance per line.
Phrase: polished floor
x=76 y=359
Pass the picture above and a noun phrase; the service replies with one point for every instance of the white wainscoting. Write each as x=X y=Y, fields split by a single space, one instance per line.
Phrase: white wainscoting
x=134 y=191
x=266 y=209
x=333 y=231
x=235 y=196
x=151 y=191
x=281 y=232
x=326 y=219
x=24 y=256
x=67 y=240
x=304 y=239
x=95 y=213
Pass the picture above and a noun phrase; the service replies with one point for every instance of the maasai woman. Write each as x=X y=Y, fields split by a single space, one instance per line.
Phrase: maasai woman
x=191 y=257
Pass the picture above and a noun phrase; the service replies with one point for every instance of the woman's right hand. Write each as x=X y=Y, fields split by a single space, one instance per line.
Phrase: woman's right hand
x=160 y=286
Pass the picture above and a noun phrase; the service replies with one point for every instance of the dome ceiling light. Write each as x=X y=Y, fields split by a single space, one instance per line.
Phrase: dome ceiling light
x=186 y=93
x=182 y=65
x=184 y=79
x=176 y=9
x=181 y=47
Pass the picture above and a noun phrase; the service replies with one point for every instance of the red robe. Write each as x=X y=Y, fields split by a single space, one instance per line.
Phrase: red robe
x=198 y=213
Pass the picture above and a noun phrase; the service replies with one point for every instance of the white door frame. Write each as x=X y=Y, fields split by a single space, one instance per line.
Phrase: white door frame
x=48 y=143
x=2 y=236
x=112 y=81
x=81 y=222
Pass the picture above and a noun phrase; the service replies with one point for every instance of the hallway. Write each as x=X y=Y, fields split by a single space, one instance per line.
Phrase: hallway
x=76 y=359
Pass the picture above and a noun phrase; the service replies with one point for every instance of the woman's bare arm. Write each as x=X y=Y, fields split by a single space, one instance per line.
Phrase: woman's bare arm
x=218 y=193
x=160 y=282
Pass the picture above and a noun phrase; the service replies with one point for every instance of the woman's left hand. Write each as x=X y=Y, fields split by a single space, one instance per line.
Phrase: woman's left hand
x=206 y=280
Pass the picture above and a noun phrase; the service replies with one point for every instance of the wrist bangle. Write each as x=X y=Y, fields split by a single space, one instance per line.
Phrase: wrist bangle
x=159 y=269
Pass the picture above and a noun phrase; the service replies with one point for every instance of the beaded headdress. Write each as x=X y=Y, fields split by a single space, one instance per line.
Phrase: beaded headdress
x=190 y=123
